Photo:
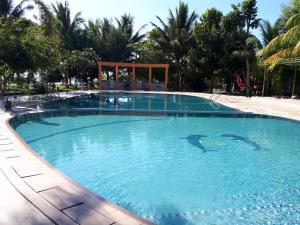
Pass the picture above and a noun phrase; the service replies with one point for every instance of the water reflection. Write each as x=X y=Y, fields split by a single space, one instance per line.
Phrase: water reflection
x=145 y=102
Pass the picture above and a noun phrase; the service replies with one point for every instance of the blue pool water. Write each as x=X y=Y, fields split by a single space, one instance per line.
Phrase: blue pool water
x=138 y=102
x=178 y=169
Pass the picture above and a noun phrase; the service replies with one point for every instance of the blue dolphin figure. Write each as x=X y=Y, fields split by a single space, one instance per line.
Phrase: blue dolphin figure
x=196 y=141
x=243 y=139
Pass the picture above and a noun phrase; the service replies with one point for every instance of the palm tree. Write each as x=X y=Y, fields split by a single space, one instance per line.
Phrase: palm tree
x=47 y=19
x=285 y=46
x=248 y=49
x=69 y=28
x=126 y=25
x=268 y=33
x=7 y=8
x=176 y=36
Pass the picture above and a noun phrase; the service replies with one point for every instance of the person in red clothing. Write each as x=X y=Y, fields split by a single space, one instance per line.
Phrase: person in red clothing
x=240 y=82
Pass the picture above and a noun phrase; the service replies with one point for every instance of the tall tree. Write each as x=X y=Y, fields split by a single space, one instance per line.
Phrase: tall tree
x=69 y=28
x=267 y=32
x=205 y=58
x=175 y=37
x=126 y=25
x=249 y=11
x=14 y=53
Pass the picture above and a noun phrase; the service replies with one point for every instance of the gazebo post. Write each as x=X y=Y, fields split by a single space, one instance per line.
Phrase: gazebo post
x=166 y=78
x=117 y=78
x=150 y=78
x=100 y=76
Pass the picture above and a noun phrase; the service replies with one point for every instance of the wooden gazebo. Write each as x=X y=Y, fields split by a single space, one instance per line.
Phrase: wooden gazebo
x=133 y=86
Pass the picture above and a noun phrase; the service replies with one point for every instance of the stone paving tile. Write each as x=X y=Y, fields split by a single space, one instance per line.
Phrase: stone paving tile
x=104 y=207
x=3 y=138
x=5 y=142
x=117 y=215
x=23 y=163
x=85 y=215
x=6 y=146
x=61 y=198
x=24 y=159
x=35 y=199
x=41 y=182
x=10 y=154
x=15 y=209
x=27 y=171
x=130 y=221
x=6 y=149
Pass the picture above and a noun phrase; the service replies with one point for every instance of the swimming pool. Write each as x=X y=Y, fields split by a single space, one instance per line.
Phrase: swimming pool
x=178 y=168
x=123 y=101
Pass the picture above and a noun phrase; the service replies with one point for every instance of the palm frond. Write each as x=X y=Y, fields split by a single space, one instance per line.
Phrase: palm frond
x=272 y=61
x=253 y=41
x=293 y=21
x=296 y=50
x=291 y=37
x=272 y=47
x=20 y=9
x=241 y=54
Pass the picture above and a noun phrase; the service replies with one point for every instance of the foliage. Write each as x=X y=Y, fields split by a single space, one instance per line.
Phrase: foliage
x=203 y=53
x=149 y=52
x=82 y=64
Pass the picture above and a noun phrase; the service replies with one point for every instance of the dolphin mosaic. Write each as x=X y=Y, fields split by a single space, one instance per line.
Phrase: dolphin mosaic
x=196 y=141
x=247 y=141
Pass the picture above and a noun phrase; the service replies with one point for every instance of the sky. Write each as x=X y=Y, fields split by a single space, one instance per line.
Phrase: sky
x=145 y=11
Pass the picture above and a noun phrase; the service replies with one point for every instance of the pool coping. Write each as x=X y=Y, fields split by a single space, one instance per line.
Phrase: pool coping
x=97 y=207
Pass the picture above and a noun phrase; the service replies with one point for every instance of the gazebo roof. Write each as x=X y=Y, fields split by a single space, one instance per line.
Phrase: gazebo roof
x=137 y=65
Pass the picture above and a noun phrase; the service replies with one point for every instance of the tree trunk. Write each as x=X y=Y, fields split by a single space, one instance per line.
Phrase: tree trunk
x=178 y=74
x=211 y=82
x=264 y=85
x=294 y=82
x=3 y=86
x=269 y=85
x=248 y=89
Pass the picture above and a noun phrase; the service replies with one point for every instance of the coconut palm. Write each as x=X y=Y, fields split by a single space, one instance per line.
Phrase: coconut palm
x=126 y=25
x=248 y=49
x=175 y=37
x=283 y=48
x=69 y=28
x=285 y=45
x=97 y=32
x=8 y=9
x=267 y=32
x=47 y=18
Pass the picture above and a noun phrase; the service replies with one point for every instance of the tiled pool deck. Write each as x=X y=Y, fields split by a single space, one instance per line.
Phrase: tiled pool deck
x=33 y=192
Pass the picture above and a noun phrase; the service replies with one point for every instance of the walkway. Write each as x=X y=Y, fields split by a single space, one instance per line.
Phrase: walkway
x=287 y=108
